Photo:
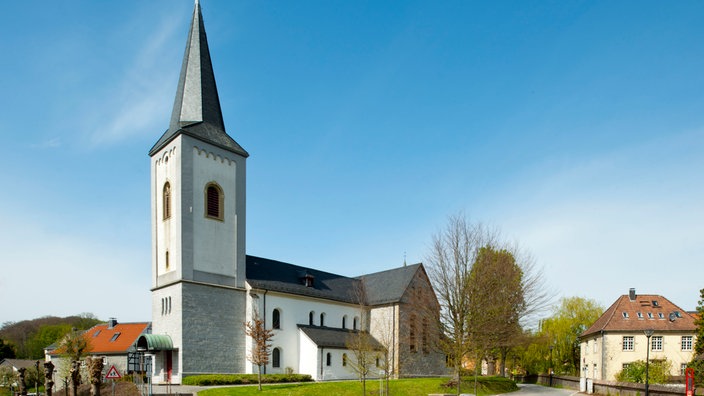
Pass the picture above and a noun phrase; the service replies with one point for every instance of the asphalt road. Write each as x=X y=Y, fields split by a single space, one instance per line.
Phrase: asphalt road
x=537 y=390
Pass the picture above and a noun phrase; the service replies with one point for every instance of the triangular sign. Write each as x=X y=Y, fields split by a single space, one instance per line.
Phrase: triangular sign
x=112 y=373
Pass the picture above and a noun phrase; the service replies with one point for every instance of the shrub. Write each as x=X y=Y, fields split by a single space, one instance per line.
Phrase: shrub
x=243 y=379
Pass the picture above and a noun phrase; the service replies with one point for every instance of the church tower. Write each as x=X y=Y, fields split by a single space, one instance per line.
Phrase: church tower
x=198 y=228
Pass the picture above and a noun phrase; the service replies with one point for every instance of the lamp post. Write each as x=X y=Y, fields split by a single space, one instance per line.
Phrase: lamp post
x=648 y=334
x=550 y=368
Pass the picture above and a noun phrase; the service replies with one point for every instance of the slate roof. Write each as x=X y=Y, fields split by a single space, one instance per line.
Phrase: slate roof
x=647 y=311
x=329 y=337
x=196 y=110
x=380 y=288
x=288 y=278
x=20 y=363
x=388 y=286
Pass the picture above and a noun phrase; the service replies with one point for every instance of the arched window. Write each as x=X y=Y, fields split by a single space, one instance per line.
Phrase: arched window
x=276 y=357
x=424 y=335
x=344 y=359
x=412 y=334
x=355 y=322
x=213 y=201
x=276 y=319
x=344 y=322
x=322 y=318
x=328 y=359
x=167 y=200
x=310 y=318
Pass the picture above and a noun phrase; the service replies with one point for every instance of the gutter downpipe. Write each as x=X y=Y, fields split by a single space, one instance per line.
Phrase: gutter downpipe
x=603 y=355
x=264 y=317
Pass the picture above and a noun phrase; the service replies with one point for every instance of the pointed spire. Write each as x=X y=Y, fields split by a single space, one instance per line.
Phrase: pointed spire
x=196 y=110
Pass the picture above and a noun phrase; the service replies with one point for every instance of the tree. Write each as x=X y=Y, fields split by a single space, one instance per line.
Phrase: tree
x=472 y=271
x=261 y=344
x=496 y=303
x=360 y=342
x=74 y=345
x=561 y=331
x=450 y=261
x=658 y=372
x=697 y=362
x=6 y=350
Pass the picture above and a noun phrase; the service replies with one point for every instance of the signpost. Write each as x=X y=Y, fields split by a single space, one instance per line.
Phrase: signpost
x=113 y=374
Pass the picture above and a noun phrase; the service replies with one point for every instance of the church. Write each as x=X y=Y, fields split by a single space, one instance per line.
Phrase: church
x=205 y=287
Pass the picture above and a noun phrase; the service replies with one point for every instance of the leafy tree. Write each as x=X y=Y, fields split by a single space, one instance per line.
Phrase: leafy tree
x=45 y=336
x=6 y=350
x=261 y=348
x=697 y=362
x=658 y=372
x=562 y=330
x=74 y=345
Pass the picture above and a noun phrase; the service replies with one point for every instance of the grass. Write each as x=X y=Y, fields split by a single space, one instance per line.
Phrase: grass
x=405 y=387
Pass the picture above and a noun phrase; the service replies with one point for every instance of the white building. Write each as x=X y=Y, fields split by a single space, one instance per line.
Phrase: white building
x=204 y=286
x=618 y=337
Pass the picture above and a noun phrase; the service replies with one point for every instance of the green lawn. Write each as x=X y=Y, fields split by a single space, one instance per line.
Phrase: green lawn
x=404 y=387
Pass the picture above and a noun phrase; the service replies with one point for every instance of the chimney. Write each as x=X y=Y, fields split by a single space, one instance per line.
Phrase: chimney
x=112 y=322
x=632 y=294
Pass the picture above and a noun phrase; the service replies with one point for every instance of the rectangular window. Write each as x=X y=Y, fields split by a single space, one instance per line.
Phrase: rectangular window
x=686 y=343
x=683 y=368
x=656 y=343
x=627 y=343
x=594 y=347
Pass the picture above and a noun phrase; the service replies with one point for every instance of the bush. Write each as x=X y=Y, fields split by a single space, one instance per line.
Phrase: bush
x=658 y=372
x=243 y=379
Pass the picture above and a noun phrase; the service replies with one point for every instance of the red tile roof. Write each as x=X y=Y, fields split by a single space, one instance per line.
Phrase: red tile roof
x=647 y=311
x=115 y=340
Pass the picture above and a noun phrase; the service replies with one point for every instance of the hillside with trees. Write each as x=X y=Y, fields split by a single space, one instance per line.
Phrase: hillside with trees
x=28 y=338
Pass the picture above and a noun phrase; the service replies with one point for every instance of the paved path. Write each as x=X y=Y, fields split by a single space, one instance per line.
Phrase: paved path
x=538 y=390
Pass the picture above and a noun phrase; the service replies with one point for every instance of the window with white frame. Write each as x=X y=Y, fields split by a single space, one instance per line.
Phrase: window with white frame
x=627 y=343
x=656 y=343
x=686 y=343
x=594 y=347
x=683 y=368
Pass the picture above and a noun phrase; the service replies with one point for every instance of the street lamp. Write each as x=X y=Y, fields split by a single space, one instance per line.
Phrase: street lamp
x=648 y=334
x=550 y=368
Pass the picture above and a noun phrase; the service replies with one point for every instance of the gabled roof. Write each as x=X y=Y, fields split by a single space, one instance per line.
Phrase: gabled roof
x=197 y=111
x=118 y=339
x=107 y=339
x=289 y=278
x=388 y=286
x=647 y=311
x=20 y=363
x=329 y=337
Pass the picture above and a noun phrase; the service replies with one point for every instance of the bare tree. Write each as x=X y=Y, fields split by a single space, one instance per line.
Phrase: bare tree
x=261 y=348
x=449 y=264
x=486 y=290
x=364 y=347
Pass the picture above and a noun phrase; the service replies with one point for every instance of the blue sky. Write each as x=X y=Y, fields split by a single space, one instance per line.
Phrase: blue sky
x=575 y=127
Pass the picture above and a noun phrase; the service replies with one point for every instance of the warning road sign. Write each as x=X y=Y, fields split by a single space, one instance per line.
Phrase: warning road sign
x=112 y=373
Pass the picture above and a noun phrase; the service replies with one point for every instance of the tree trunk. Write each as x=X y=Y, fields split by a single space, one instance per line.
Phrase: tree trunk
x=260 y=376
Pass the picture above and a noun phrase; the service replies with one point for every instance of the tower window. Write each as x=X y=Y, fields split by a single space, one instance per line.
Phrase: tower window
x=310 y=318
x=322 y=319
x=166 y=259
x=213 y=202
x=167 y=200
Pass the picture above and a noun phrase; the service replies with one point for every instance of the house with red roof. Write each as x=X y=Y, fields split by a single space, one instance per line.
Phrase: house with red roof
x=115 y=342
x=620 y=336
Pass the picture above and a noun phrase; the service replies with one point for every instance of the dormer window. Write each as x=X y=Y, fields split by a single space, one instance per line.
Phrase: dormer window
x=650 y=315
x=640 y=315
x=655 y=303
x=661 y=315
x=625 y=315
x=307 y=279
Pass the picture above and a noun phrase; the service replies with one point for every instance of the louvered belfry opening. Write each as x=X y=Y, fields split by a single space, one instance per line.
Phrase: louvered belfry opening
x=213 y=204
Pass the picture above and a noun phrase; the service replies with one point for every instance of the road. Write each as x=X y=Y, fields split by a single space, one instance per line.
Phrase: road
x=537 y=390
